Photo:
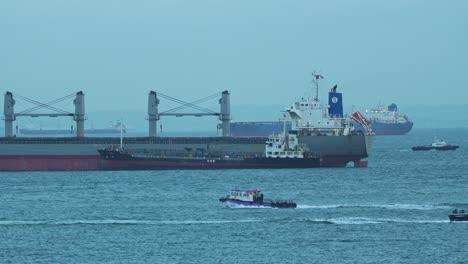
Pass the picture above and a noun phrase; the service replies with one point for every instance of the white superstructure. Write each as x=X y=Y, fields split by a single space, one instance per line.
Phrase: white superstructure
x=388 y=115
x=313 y=116
x=282 y=146
x=438 y=143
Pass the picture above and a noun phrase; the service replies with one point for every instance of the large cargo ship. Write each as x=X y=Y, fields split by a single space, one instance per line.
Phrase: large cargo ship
x=321 y=128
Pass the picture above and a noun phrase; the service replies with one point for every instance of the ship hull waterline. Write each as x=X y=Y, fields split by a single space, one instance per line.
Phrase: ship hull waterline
x=458 y=217
x=94 y=163
x=205 y=164
x=278 y=205
x=81 y=154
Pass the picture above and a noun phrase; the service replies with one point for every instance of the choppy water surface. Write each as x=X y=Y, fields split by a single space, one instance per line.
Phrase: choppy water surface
x=395 y=211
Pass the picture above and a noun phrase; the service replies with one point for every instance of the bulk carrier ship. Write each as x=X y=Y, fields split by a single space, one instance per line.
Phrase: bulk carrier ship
x=320 y=128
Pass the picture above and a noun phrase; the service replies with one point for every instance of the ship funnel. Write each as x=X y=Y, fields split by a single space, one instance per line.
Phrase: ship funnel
x=79 y=116
x=153 y=115
x=225 y=113
x=392 y=108
x=9 y=112
x=335 y=101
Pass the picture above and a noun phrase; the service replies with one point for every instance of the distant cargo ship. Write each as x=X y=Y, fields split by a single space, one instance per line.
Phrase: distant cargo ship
x=388 y=121
x=113 y=129
x=381 y=121
x=38 y=132
x=258 y=129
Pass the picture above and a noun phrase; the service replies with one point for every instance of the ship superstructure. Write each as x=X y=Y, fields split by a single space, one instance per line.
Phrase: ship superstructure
x=313 y=117
x=317 y=123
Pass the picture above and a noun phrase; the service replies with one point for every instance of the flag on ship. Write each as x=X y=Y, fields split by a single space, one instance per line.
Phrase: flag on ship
x=360 y=118
x=317 y=76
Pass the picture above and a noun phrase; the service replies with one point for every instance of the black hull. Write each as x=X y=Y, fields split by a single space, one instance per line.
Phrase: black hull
x=181 y=164
x=423 y=148
x=271 y=204
x=458 y=217
x=124 y=161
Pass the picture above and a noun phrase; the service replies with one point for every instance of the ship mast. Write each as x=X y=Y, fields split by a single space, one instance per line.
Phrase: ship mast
x=284 y=126
x=120 y=124
x=315 y=80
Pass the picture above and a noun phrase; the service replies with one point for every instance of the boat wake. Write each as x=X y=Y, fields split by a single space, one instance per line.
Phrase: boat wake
x=365 y=221
x=123 y=222
x=382 y=206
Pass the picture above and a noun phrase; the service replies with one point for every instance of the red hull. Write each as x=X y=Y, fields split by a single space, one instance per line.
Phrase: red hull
x=48 y=162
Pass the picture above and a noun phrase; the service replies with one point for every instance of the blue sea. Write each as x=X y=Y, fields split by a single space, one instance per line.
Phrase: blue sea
x=394 y=211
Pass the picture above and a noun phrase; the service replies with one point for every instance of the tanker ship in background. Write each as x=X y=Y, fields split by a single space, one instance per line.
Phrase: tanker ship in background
x=382 y=121
x=387 y=121
x=319 y=128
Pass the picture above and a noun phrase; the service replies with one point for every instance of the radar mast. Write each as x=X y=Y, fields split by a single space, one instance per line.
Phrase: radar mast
x=315 y=80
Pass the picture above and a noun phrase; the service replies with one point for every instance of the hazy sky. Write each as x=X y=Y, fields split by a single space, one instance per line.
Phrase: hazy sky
x=402 y=51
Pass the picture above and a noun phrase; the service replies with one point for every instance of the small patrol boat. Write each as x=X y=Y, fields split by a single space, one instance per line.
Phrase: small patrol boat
x=437 y=144
x=458 y=215
x=253 y=198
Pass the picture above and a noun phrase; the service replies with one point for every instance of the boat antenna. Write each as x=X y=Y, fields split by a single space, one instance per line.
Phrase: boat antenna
x=284 y=125
x=316 y=79
x=120 y=124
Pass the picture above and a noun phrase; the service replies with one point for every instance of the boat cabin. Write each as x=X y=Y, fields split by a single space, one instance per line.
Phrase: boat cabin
x=458 y=212
x=246 y=195
x=280 y=146
x=438 y=143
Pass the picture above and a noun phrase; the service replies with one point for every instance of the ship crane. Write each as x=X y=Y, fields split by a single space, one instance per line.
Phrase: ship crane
x=224 y=114
x=10 y=115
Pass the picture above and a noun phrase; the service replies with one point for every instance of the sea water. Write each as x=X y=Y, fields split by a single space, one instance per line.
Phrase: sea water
x=394 y=211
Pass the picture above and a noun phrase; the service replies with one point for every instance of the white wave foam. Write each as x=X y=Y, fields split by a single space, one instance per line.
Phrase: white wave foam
x=411 y=206
x=189 y=222
x=384 y=206
x=12 y=222
x=365 y=220
x=354 y=221
x=235 y=205
x=238 y=206
x=303 y=206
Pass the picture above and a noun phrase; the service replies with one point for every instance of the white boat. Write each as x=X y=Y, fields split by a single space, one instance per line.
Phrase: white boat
x=253 y=198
